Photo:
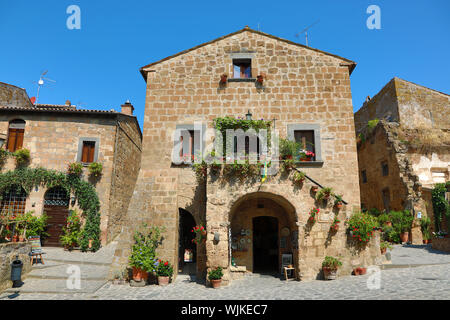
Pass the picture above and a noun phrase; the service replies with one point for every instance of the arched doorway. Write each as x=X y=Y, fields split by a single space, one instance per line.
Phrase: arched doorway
x=263 y=233
x=187 y=250
x=265 y=244
x=56 y=207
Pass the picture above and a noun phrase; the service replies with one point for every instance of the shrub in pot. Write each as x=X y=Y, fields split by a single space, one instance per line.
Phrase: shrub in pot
x=384 y=245
x=338 y=202
x=72 y=231
x=401 y=222
x=95 y=169
x=164 y=271
x=324 y=194
x=75 y=168
x=215 y=276
x=22 y=157
x=330 y=266
x=298 y=178
x=425 y=227
x=361 y=227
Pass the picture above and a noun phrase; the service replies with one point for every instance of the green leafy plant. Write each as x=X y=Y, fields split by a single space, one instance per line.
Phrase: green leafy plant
x=143 y=251
x=200 y=169
x=95 y=169
x=215 y=274
x=200 y=234
x=75 y=168
x=313 y=215
x=298 y=178
x=36 y=226
x=164 y=269
x=22 y=156
x=385 y=245
x=372 y=124
x=289 y=149
x=85 y=194
x=324 y=194
x=72 y=230
x=383 y=219
x=425 y=224
x=331 y=263
x=441 y=207
x=4 y=154
x=401 y=220
x=287 y=165
x=361 y=227
x=338 y=199
x=335 y=225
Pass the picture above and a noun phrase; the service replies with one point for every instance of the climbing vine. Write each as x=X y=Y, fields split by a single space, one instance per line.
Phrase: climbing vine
x=85 y=193
x=440 y=205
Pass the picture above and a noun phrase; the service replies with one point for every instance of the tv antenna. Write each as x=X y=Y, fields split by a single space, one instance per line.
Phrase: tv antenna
x=305 y=31
x=41 y=82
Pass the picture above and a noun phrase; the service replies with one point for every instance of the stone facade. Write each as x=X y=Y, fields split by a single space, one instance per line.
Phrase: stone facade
x=53 y=135
x=412 y=138
x=8 y=253
x=302 y=86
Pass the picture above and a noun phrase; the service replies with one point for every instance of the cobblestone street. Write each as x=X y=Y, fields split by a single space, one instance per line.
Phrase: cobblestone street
x=416 y=272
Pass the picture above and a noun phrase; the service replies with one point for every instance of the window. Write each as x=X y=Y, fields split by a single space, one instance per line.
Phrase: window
x=385 y=169
x=247 y=149
x=15 y=135
x=189 y=149
x=306 y=140
x=242 y=68
x=88 y=150
x=13 y=202
x=308 y=135
x=364 y=176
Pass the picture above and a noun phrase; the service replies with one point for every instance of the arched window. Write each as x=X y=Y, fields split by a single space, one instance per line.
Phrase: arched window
x=15 y=135
x=56 y=196
x=13 y=202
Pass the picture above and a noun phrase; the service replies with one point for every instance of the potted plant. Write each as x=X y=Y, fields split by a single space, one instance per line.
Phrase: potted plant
x=143 y=252
x=215 y=276
x=361 y=227
x=75 y=168
x=338 y=202
x=313 y=215
x=164 y=271
x=200 y=234
x=384 y=245
x=72 y=231
x=223 y=78
x=22 y=157
x=425 y=227
x=314 y=189
x=289 y=149
x=330 y=266
x=95 y=169
x=306 y=155
x=298 y=178
x=324 y=194
x=260 y=78
x=335 y=225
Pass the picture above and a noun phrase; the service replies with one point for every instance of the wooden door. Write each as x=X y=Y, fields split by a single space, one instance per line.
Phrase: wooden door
x=55 y=223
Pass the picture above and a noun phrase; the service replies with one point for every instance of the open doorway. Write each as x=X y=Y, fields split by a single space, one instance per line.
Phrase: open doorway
x=187 y=250
x=265 y=245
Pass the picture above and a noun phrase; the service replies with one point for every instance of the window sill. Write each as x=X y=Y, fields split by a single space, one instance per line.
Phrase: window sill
x=242 y=80
x=309 y=163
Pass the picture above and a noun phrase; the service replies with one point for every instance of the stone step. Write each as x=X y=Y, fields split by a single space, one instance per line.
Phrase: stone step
x=89 y=272
x=76 y=262
x=57 y=286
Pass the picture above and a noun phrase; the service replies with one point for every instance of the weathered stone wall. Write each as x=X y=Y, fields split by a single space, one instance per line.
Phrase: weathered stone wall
x=12 y=96
x=302 y=86
x=422 y=107
x=383 y=105
x=8 y=253
x=441 y=244
x=126 y=165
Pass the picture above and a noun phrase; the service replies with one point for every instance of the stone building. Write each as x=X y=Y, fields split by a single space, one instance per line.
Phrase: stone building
x=305 y=92
x=57 y=135
x=407 y=152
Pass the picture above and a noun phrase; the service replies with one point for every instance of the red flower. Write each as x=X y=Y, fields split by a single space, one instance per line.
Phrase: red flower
x=166 y=263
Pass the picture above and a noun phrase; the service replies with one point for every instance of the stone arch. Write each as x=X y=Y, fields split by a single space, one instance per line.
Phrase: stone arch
x=245 y=247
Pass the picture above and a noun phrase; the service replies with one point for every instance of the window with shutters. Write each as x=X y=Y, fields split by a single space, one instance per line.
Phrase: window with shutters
x=16 y=133
x=88 y=150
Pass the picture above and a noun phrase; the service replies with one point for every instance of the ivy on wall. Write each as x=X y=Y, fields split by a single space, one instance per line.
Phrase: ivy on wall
x=440 y=206
x=85 y=193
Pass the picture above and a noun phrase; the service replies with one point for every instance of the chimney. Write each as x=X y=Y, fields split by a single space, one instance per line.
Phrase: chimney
x=127 y=108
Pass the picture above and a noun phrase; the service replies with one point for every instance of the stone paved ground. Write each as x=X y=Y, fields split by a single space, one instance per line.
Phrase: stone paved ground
x=420 y=282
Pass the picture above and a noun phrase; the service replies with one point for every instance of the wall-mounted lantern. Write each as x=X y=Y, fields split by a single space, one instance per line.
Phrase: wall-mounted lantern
x=249 y=115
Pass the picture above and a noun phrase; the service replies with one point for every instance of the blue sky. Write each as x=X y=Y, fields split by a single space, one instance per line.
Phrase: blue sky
x=98 y=66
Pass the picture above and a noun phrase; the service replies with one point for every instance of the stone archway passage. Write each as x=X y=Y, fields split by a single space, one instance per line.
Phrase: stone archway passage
x=56 y=207
x=187 y=250
x=265 y=245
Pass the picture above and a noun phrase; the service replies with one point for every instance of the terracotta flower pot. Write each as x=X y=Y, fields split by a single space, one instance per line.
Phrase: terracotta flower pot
x=90 y=243
x=356 y=271
x=163 y=281
x=339 y=205
x=329 y=274
x=223 y=78
x=404 y=236
x=314 y=189
x=305 y=159
x=216 y=283
x=388 y=224
x=139 y=274
x=362 y=271
x=15 y=239
x=429 y=240
x=383 y=250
